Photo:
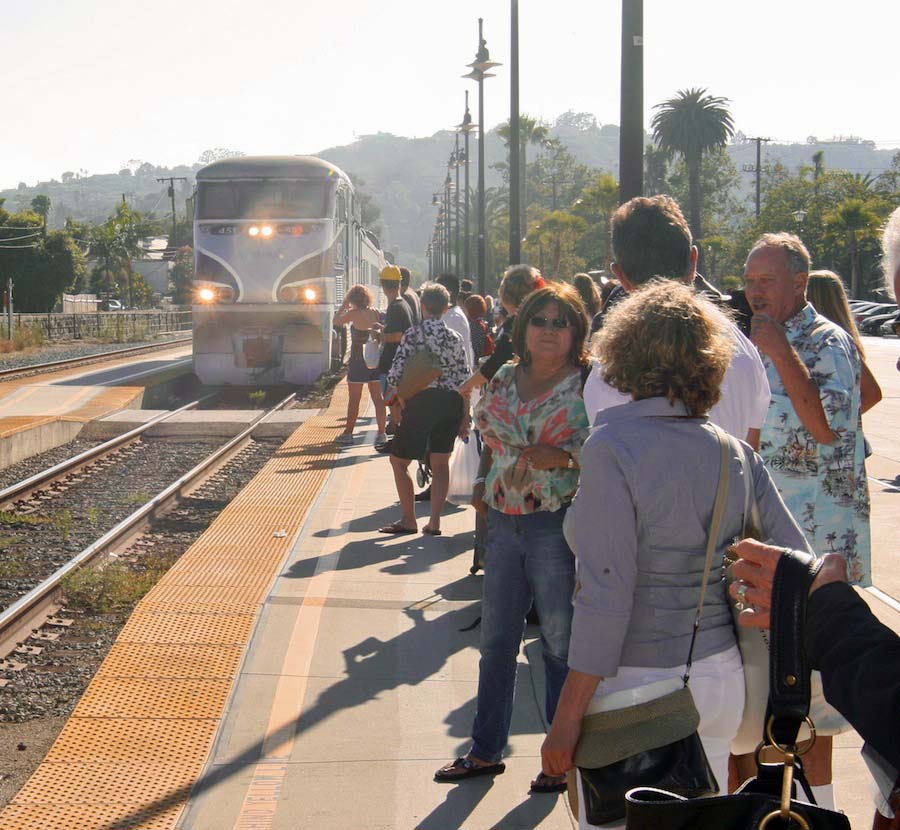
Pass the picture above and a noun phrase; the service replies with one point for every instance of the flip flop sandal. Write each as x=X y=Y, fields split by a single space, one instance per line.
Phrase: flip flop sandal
x=463 y=768
x=548 y=784
x=397 y=529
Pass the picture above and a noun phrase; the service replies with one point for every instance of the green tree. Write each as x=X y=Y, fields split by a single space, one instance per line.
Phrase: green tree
x=656 y=166
x=689 y=125
x=531 y=131
x=558 y=233
x=40 y=204
x=181 y=277
x=596 y=206
x=853 y=220
x=42 y=268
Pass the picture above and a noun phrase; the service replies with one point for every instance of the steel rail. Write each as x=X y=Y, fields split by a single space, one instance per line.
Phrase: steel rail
x=46 y=477
x=99 y=357
x=29 y=612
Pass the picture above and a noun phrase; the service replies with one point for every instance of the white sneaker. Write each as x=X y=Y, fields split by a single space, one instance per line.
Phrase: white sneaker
x=380 y=438
x=345 y=440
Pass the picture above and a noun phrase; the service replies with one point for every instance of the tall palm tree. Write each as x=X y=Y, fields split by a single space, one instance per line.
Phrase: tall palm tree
x=531 y=131
x=853 y=220
x=690 y=124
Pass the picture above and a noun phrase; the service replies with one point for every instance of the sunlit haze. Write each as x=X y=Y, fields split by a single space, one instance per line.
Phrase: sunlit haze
x=92 y=84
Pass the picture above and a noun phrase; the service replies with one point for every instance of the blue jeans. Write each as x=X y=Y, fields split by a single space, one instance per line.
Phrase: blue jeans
x=526 y=560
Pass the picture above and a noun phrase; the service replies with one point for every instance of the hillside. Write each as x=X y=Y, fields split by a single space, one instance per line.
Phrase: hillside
x=401 y=174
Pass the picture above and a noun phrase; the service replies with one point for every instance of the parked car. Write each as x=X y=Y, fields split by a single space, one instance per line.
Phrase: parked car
x=110 y=305
x=873 y=310
x=891 y=326
x=872 y=324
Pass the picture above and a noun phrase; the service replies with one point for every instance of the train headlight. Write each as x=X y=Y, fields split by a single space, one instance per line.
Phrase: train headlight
x=266 y=231
x=206 y=295
x=253 y=230
x=310 y=295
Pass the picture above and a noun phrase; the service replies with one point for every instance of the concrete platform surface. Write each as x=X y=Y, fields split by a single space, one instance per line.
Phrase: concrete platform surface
x=201 y=423
x=360 y=682
x=39 y=413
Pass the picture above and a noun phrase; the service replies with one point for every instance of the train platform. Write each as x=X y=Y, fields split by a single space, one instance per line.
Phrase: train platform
x=43 y=411
x=298 y=669
x=295 y=669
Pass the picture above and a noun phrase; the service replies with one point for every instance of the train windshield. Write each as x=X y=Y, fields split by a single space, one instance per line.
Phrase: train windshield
x=267 y=199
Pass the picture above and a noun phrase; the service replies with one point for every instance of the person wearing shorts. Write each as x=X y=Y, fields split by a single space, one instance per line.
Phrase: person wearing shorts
x=431 y=419
x=357 y=312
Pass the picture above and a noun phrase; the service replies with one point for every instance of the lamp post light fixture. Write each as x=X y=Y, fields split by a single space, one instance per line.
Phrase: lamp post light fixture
x=455 y=162
x=465 y=127
x=480 y=70
x=799 y=216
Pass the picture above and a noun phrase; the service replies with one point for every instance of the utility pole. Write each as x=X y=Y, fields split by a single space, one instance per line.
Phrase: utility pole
x=749 y=168
x=173 y=242
x=631 y=103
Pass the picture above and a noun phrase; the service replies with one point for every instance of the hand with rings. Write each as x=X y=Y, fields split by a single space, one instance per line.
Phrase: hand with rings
x=740 y=594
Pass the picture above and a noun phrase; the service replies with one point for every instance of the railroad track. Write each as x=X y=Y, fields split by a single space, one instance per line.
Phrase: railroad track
x=86 y=360
x=31 y=611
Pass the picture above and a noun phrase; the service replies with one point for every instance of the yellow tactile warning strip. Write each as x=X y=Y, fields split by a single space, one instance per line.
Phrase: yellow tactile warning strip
x=135 y=744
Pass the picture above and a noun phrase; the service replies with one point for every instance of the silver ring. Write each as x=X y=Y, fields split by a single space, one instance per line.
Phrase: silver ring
x=742 y=592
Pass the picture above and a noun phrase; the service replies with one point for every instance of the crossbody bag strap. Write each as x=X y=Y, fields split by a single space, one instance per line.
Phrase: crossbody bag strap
x=714 y=530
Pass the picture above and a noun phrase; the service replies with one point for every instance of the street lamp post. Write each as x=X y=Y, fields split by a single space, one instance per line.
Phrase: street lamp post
x=515 y=194
x=480 y=67
x=448 y=188
x=465 y=127
x=631 y=131
x=457 y=160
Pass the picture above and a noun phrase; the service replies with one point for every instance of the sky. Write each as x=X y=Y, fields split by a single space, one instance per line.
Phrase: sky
x=89 y=85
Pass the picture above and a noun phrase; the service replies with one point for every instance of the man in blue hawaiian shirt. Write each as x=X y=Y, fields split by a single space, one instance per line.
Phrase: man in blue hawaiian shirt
x=812 y=440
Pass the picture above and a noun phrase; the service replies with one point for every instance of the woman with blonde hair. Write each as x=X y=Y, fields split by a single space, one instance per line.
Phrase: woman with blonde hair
x=640 y=521
x=825 y=290
x=357 y=312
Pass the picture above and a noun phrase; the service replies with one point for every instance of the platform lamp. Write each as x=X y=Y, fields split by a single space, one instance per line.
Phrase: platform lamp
x=465 y=127
x=480 y=70
x=448 y=228
x=455 y=162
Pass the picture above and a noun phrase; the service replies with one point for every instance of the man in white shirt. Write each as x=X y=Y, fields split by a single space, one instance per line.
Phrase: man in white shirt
x=455 y=318
x=652 y=240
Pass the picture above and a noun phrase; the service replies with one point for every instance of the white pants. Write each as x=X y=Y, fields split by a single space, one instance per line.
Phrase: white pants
x=717 y=686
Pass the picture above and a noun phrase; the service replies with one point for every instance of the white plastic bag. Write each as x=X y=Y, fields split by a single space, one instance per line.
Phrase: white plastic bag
x=371 y=353
x=463 y=470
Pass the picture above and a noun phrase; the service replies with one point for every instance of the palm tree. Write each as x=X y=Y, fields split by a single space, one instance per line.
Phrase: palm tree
x=854 y=220
x=689 y=125
x=531 y=131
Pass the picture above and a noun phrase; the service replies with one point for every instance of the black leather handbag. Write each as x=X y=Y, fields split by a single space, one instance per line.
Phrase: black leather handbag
x=767 y=800
x=653 y=743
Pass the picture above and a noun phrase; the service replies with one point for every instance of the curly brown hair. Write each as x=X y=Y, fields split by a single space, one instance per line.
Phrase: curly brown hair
x=665 y=340
x=359 y=296
x=569 y=301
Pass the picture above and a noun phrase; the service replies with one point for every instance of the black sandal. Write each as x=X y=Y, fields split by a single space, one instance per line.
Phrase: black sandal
x=463 y=768
x=548 y=783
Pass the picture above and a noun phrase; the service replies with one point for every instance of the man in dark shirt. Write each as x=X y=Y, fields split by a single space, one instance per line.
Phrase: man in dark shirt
x=397 y=320
x=412 y=299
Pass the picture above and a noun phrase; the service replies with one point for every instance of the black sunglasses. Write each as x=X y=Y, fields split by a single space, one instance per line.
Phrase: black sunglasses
x=541 y=322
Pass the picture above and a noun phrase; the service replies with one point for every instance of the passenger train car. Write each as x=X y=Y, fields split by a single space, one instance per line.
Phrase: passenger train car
x=277 y=241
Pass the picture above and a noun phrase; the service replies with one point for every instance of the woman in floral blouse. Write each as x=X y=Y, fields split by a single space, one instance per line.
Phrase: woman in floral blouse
x=432 y=418
x=533 y=421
